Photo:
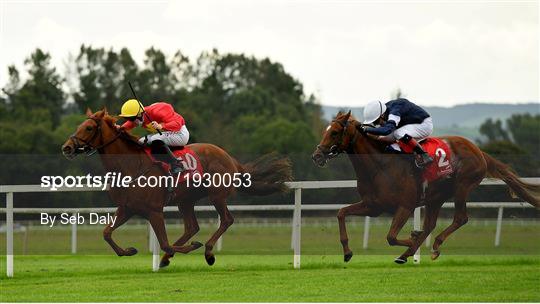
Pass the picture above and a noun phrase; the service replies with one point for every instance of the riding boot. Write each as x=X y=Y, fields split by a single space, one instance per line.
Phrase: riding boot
x=422 y=159
x=162 y=152
x=176 y=165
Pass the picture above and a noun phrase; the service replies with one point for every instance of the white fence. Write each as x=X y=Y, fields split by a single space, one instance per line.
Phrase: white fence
x=296 y=208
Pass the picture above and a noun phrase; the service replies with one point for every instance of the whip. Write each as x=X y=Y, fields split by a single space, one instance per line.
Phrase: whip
x=141 y=106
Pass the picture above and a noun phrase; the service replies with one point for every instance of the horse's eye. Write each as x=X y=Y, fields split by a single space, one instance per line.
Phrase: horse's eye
x=333 y=133
x=89 y=128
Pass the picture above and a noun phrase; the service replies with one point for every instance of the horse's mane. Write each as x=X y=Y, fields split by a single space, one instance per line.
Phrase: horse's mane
x=111 y=122
x=379 y=145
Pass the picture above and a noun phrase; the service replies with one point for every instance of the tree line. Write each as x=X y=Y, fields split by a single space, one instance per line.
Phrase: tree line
x=244 y=104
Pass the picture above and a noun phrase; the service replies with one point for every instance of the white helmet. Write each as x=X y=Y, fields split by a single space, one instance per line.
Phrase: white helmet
x=373 y=110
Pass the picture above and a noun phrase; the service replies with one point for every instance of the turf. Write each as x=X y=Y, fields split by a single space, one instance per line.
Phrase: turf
x=256 y=265
x=319 y=237
x=258 y=278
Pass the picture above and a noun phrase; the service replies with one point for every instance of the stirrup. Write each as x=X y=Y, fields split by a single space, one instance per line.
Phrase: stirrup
x=422 y=160
x=176 y=168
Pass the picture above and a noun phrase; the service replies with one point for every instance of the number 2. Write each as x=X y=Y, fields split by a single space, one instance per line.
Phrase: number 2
x=443 y=162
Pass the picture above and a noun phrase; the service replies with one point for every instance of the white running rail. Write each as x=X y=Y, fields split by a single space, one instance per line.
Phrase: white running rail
x=296 y=208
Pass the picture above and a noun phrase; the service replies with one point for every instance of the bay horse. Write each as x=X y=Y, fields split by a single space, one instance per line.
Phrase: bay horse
x=121 y=152
x=391 y=183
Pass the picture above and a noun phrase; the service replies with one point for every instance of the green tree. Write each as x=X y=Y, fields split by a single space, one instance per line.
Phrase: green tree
x=518 y=145
x=493 y=130
x=40 y=98
x=99 y=74
x=525 y=130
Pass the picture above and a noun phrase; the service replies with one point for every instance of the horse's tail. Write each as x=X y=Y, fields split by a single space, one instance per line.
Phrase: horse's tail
x=526 y=191
x=268 y=175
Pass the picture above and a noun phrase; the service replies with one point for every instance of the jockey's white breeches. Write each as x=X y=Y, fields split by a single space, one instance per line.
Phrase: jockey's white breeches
x=170 y=138
x=417 y=131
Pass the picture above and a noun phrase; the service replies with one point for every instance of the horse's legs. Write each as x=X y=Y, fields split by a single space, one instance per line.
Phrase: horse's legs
x=400 y=218
x=359 y=209
x=158 y=224
x=225 y=221
x=430 y=221
x=122 y=215
x=460 y=219
x=191 y=227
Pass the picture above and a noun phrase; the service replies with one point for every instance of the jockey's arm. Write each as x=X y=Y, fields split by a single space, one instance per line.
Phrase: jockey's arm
x=385 y=129
x=384 y=138
x=164 y=118
x=384 y=133
x=128 y=125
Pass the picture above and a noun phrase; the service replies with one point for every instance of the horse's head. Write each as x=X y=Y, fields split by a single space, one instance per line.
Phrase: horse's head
x=89 y=135
x=336 y=138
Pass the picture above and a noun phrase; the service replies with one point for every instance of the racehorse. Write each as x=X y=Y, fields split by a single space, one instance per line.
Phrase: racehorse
x=121 y=152
x=391 y=183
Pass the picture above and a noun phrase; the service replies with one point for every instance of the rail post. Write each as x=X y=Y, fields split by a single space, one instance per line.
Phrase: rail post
x=9 y=234
x=150 y=238
x=416 y=226
x=155 y=250
x=74 y=236
x=366 y=232
x=499 y=227
x=219 y=242
x=293 y=231
x=297 y=217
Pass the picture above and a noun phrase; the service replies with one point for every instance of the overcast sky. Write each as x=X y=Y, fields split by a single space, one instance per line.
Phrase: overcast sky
x=346 y=52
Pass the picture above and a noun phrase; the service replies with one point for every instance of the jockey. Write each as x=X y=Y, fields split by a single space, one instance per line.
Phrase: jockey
x=171 y=124
x=400 y=120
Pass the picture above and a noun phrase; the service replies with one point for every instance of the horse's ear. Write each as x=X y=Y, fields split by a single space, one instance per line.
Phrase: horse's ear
x=347 y=115
x=105 y=112
x=89 y=112
x=102 y=113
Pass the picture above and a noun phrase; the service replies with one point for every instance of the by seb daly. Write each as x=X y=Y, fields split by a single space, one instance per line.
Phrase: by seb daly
x=77 y=218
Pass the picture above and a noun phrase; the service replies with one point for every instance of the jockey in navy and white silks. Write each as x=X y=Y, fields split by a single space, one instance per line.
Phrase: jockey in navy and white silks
x=400 y=120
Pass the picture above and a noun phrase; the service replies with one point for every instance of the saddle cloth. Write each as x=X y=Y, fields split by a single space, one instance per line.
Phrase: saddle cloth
x=190 y=161
x=441 y=154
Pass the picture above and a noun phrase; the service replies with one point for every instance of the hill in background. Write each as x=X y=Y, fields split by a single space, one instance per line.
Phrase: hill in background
x=463 y=120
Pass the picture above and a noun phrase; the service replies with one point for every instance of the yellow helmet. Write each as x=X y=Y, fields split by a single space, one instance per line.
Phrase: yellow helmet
x=130 y=108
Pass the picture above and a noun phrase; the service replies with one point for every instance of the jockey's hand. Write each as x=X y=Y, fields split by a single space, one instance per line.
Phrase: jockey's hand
x=156 y=125
x=118 y=127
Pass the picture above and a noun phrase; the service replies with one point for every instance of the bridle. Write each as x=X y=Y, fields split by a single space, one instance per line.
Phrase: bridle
x=86 y=146
x=337 y=149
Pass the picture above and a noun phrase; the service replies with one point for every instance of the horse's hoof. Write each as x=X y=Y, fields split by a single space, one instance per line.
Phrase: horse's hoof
x=196 y=245
x=400 y=260
x=347 y=257
x=435 y=254
x=164 y=263
x=210 y=259
x=130 y=251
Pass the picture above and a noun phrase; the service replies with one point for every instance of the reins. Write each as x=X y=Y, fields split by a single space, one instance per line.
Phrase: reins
x=89 y=150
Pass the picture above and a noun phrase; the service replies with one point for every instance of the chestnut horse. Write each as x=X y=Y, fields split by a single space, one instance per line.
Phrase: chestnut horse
x=121 y=152
x=391 y=183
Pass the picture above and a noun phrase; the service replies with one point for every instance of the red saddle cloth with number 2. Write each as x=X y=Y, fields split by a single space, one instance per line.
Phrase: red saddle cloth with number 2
x=190 y=160
x=441 y=154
